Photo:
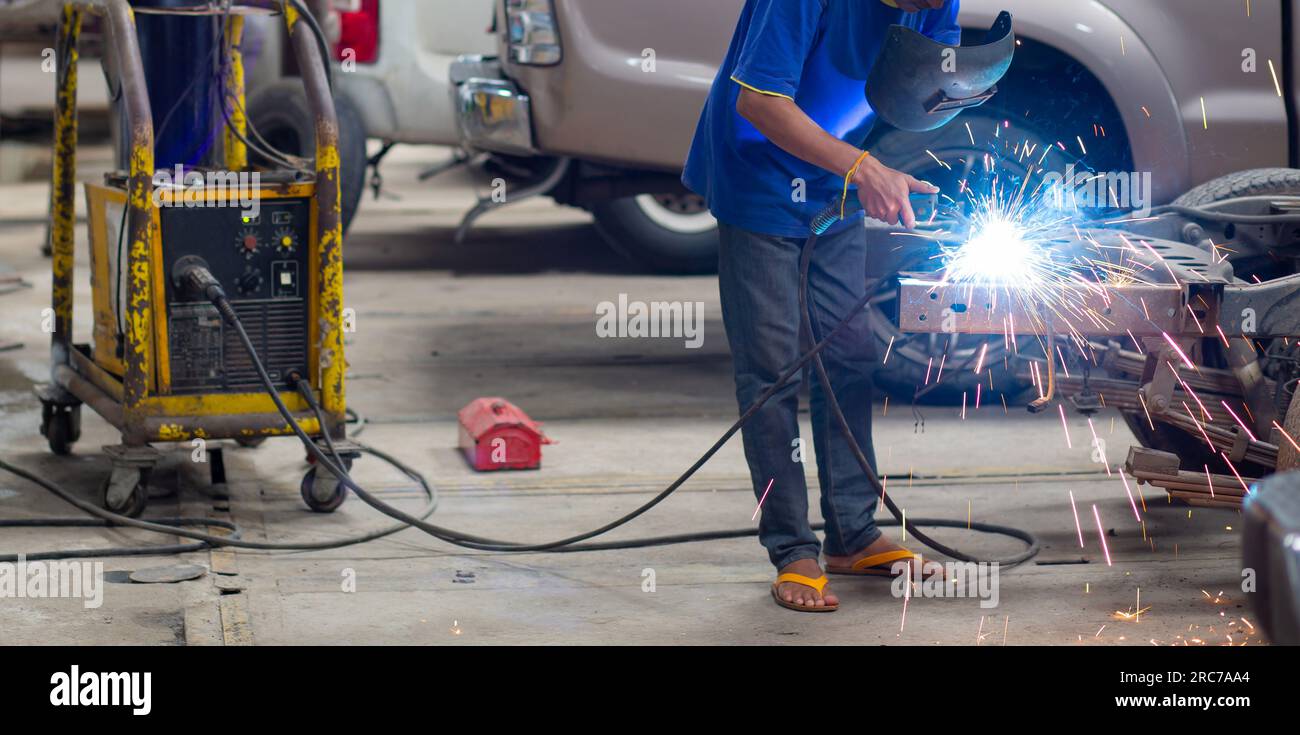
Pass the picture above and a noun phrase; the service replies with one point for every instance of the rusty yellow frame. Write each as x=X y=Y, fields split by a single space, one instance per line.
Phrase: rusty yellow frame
x=139 y=403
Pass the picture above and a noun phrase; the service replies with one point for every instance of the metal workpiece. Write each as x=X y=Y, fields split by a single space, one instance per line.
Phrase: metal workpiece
x=1197 y=377
x=1208 y=490
x=1183 y=290
x=1260 y=310
x=930 y=305
x=1192 y=309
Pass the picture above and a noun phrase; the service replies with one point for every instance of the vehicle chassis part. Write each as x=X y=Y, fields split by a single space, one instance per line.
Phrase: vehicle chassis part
x=1192 y=295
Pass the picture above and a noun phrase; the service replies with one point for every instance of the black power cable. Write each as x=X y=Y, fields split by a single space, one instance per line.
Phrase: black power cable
x=575 y=543
x=199 y=280
x=176 y=526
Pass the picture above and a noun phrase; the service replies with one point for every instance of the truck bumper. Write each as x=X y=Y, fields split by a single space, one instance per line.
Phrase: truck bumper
x=491 y=112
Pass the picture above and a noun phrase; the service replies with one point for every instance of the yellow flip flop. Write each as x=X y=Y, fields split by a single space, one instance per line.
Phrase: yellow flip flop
x=875 y=565
x=818 y=584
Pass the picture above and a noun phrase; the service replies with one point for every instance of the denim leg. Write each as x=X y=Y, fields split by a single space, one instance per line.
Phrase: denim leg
x=836 y=282
x=758 y=277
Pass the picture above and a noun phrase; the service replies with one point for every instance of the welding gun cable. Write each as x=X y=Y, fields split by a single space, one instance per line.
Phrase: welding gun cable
x=807 y=316
x=108 y=519
x=698 y=536
x=686 y=538
x=487 y=544
x=448 y=535
x=571 y=544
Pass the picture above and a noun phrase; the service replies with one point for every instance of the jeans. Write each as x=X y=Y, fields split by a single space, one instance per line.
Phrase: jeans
x=759 y=284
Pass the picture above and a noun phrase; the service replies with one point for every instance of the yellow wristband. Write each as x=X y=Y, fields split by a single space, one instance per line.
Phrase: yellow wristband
x=849 y=177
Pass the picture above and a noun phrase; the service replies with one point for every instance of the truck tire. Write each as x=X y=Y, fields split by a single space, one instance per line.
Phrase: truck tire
x=280 y=114
x=1243 y=184
x=667 y=233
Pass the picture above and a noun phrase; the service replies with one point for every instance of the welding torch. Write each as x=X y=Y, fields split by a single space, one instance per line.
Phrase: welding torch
x=926 y=207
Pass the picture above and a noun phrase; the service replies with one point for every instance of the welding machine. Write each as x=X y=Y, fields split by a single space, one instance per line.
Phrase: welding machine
x=161 y=366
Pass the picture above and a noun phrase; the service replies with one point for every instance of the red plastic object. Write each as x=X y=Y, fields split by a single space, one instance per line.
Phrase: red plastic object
x=495 y=434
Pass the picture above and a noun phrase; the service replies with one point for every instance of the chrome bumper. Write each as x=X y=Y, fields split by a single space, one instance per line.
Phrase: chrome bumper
x=491 y=112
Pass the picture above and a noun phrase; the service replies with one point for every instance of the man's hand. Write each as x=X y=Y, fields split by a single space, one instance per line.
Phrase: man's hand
x=884 y=192
x=913 y=6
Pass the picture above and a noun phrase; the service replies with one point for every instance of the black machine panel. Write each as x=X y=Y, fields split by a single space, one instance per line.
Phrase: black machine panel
x=262 y=263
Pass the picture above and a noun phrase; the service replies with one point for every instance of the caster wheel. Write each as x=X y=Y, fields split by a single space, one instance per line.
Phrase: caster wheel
x=250 y=442
x=61 y=427
x=321 y=483
x=135 y=503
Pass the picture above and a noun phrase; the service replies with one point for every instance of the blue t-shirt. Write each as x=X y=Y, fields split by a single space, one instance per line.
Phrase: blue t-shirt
x=819 y=54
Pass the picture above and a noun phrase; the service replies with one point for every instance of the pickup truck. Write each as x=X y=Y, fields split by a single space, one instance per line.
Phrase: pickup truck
x=392 y=62
x=599 y=99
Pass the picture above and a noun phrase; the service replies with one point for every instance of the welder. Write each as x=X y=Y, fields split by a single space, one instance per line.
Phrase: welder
x=780 y=136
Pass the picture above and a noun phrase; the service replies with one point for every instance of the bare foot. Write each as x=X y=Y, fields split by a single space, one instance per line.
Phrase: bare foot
x=881 y=546
x=802 y=594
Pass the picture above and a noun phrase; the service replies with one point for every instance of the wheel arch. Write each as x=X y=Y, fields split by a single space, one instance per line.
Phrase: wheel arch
x=1113 y=55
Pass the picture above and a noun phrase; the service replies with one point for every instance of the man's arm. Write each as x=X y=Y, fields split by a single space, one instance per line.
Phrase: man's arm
x=882 y=190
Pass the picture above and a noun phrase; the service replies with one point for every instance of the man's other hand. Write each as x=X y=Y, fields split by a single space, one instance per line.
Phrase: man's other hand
x=913 y=6
x=884 y=192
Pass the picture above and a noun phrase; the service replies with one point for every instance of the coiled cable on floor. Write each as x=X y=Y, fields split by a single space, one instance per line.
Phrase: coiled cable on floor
x=576 y=542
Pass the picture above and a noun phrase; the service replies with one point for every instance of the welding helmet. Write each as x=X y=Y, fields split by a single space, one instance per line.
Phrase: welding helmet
x=919 y=84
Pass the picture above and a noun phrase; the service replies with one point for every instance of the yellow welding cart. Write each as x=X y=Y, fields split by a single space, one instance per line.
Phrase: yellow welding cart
x=161 y=366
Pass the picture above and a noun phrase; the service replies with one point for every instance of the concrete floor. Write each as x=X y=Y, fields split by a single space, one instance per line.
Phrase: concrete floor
x=512 y=312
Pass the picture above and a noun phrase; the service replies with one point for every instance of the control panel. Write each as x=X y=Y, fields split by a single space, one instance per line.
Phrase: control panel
x=261 y=262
